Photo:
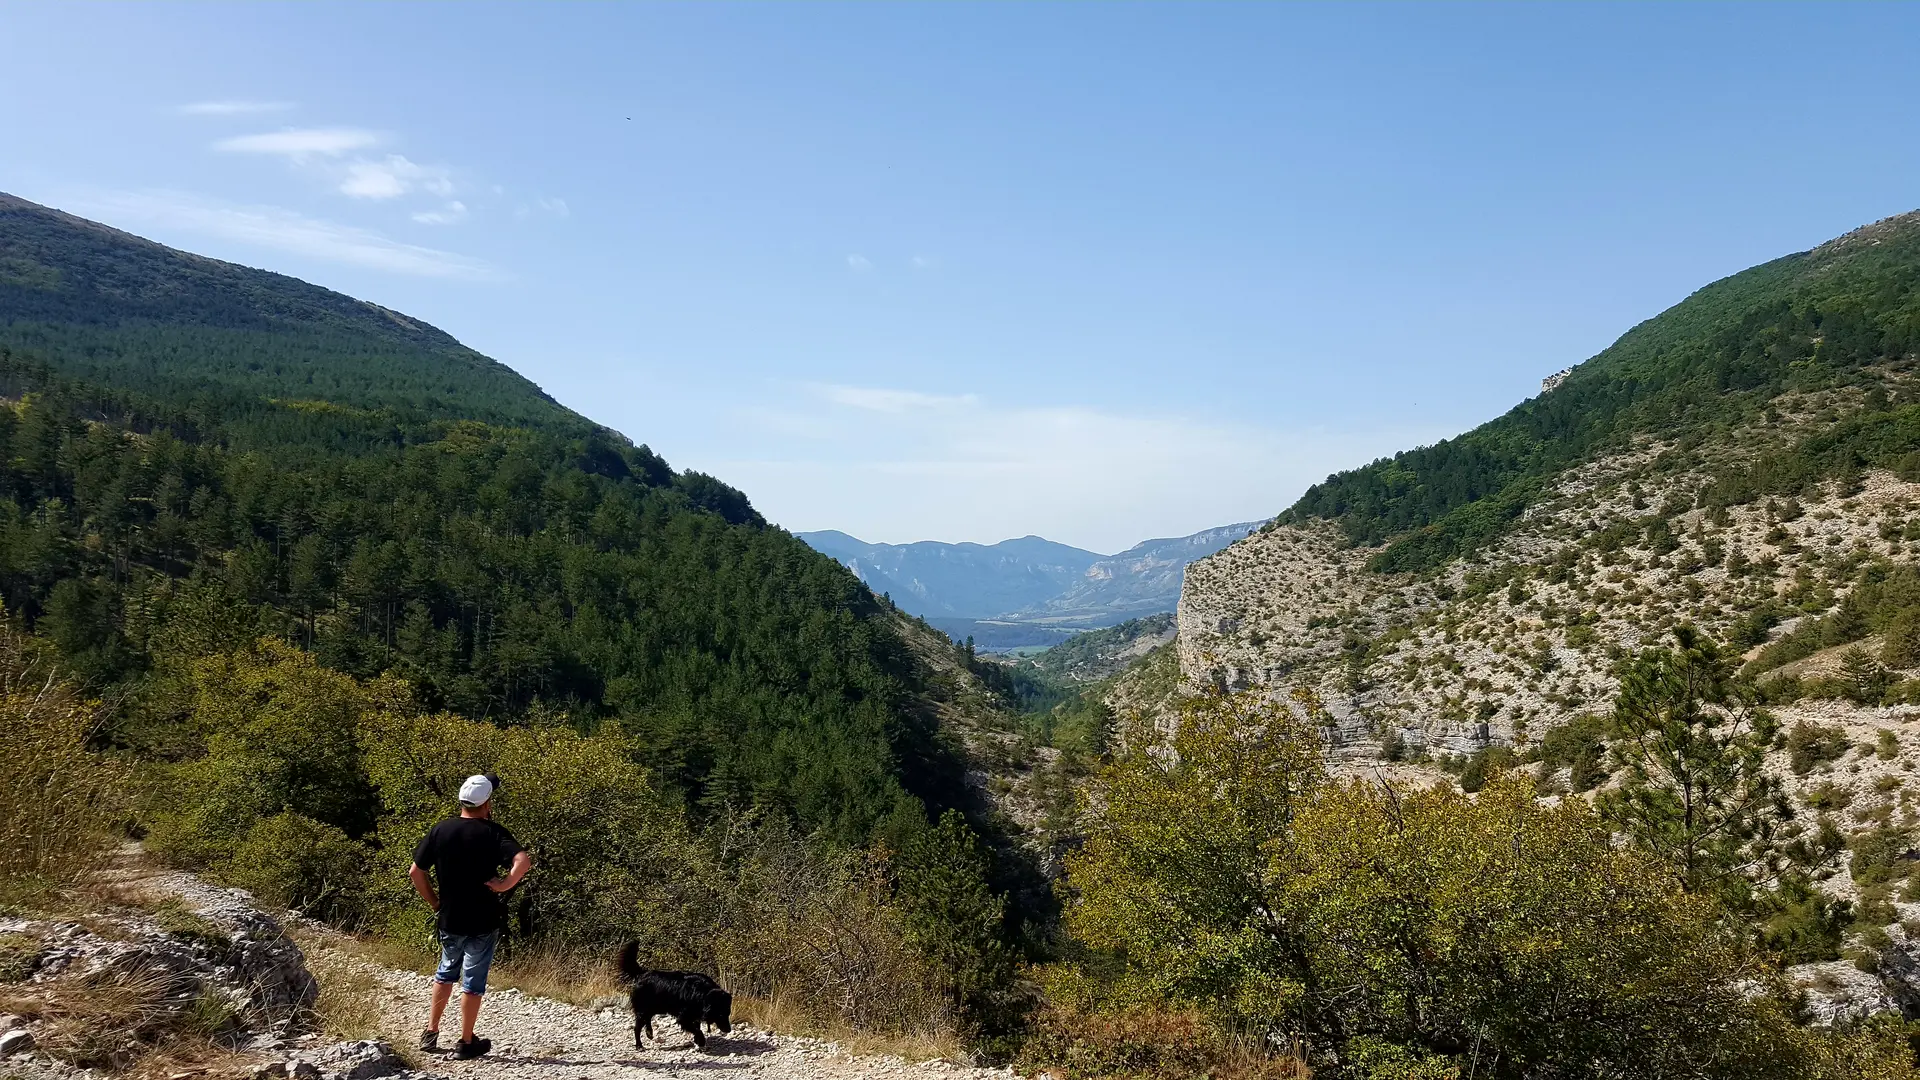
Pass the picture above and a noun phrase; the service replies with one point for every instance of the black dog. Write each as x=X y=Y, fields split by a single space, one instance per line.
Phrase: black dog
x=688 y=996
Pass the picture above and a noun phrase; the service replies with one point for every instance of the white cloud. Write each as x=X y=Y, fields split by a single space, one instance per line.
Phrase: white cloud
x=878 y=399
x=233 y=108
x=280 y=230
x=921 y=262
x=859 y=263
x=554 y=207
x=448 y=213
x=393 y=177
x=301 y=143
x=898 y=465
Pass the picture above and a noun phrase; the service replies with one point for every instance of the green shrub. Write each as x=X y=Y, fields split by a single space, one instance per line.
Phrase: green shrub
x=1826 y=796
x=176 y=918
x=1393 y=745
x=952 y=916
x=1579 y=746
x=19 y=955
x=1803 y=925
x=277 y=733
x=294 y=862
x=1369 y=1058
x=1809 y=745
x=1879 y=856
x=1483 y=764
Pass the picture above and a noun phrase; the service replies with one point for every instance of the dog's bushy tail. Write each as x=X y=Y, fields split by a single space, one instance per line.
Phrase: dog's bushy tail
x=629 y=962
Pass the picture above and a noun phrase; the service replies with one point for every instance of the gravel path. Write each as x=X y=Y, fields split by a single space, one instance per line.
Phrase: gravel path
x=539 y=1039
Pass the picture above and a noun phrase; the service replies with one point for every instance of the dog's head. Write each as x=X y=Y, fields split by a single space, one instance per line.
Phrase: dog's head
x=718 y=1009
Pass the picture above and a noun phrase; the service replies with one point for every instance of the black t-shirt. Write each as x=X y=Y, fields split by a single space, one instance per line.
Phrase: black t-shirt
x=464 y=854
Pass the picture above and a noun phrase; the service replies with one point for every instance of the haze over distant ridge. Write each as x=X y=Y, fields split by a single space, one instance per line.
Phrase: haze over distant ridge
x=1028 y=590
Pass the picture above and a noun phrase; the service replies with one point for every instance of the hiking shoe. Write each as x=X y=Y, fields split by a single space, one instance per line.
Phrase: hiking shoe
x=429 y=1041
x=469 y=1050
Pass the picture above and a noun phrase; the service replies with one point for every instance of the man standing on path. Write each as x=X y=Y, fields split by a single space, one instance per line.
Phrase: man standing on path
x=465 y=854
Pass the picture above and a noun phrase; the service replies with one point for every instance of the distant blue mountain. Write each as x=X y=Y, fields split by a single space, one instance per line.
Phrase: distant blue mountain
x=965 y=581
x=1026 y=591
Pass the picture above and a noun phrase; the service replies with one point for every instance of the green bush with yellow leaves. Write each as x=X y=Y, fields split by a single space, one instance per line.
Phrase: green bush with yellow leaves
x=1414 y=934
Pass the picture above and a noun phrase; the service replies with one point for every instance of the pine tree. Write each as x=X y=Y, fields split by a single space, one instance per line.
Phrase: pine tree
x=1693 y=742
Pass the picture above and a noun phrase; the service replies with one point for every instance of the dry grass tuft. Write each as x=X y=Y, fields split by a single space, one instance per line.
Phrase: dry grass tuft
x=1152 y=1043
x=582 y=978
x=114 y=1018
x=348 y=971
x=349 y=1003
x=59 y=801
x=345 y=966
x=579 y=977
x=789 y=1014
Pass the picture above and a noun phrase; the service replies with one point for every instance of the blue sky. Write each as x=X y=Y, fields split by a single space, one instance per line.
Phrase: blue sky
x=1094 y=271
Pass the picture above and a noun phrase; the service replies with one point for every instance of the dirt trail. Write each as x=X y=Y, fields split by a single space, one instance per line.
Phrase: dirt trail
x=538 y=1038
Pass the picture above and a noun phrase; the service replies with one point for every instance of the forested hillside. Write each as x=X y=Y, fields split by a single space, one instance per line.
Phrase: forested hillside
x=104 y=306
x=199 y=454
x=1706 y=365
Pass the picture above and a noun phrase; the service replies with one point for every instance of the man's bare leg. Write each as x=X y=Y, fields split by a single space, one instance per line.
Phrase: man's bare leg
x=469 y=1012
x=441 y=992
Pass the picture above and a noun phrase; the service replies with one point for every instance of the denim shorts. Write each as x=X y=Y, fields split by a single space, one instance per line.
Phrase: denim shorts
x=464 y=958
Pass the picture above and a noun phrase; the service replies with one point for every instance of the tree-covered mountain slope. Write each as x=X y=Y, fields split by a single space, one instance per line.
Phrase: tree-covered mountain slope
x=105 y=306
x=195 y=455
x=1747 y=462
x=1707 y=365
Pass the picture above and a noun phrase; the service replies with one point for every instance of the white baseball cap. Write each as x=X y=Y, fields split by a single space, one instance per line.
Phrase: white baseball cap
x=476 y=791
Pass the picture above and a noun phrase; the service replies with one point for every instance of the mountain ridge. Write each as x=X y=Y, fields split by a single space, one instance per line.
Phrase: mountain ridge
x=1026 y=590
x=200 y=457
x=1747 y=466
x=81 y=290
x=1708 y=362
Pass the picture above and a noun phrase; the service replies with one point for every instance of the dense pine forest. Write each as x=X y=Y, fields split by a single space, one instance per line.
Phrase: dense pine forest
x=200 y=455
x=274 y=529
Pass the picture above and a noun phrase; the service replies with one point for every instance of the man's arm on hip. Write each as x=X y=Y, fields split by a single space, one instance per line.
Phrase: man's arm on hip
x=522 y=864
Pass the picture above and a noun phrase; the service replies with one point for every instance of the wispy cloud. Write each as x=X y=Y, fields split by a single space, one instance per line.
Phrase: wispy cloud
x=859 y=263
x=280 y=230
x=450 y=212
x=879 y=399
x=301 y=143
x=550 y=207
x=393 y=177
x=233 y=108
x=898 y=464
x=921 y=262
